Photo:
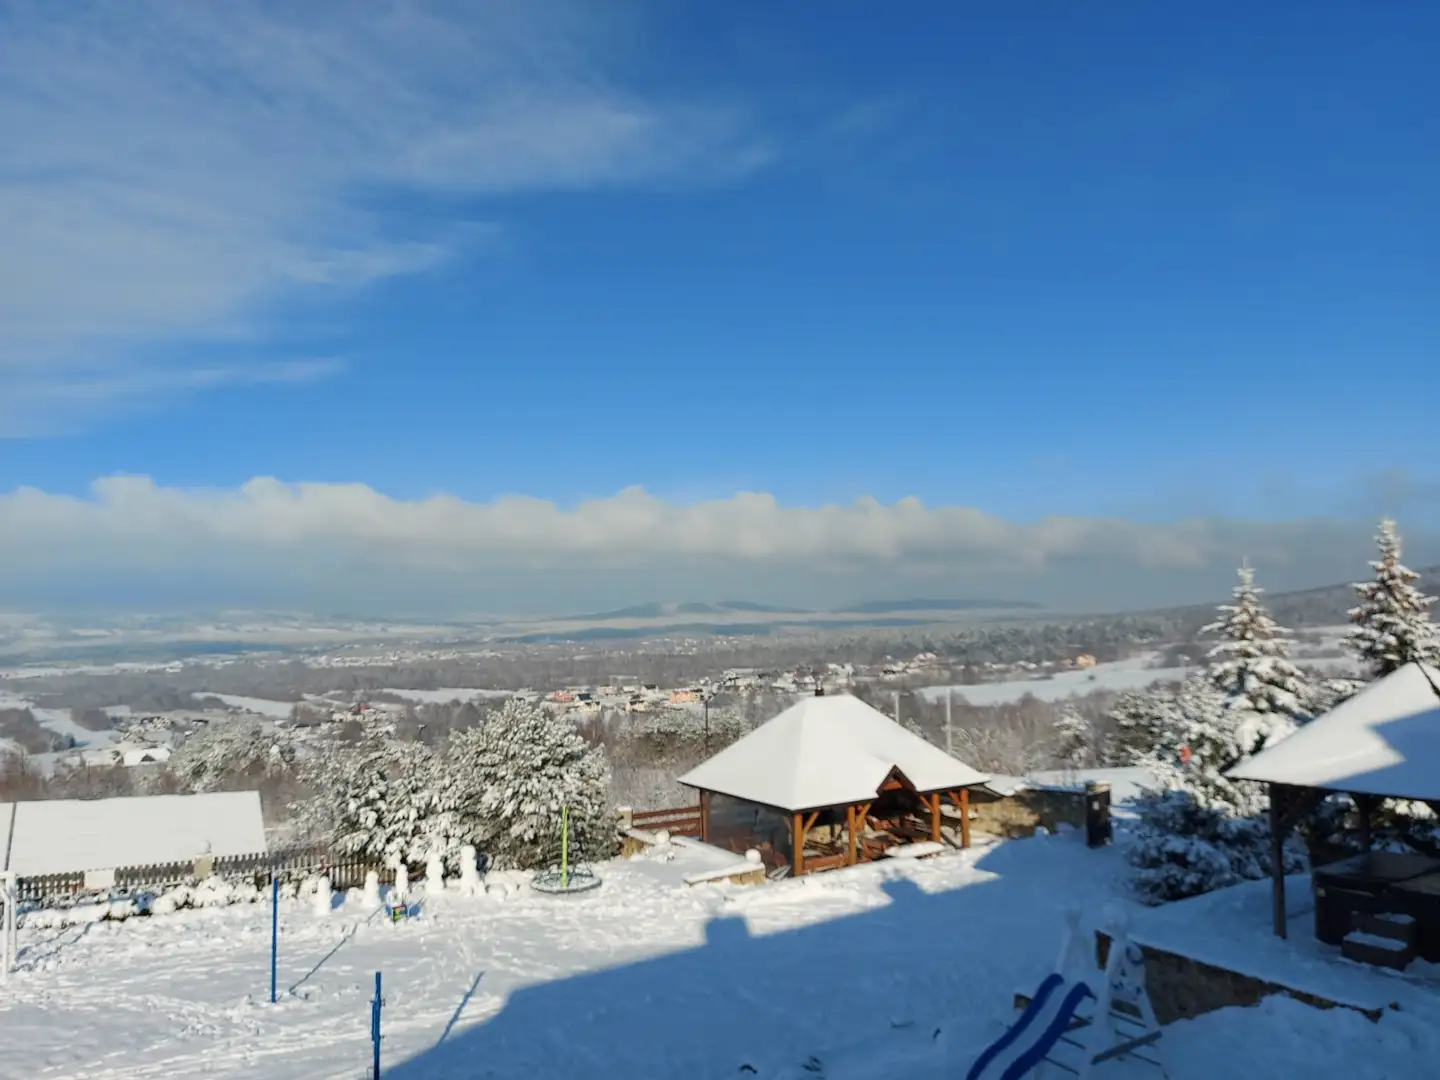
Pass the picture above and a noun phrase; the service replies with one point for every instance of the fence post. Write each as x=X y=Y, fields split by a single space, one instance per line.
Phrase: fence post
x=9 y=927
x=375 y=1007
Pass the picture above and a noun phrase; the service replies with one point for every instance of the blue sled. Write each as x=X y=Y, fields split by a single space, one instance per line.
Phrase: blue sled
x=1030 y=1038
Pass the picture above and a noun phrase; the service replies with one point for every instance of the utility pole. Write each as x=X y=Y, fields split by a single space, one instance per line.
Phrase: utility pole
x=949 y=704
x=705 y=703
x=897 y=706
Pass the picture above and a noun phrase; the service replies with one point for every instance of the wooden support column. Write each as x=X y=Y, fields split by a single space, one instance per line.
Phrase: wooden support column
x=797 y=845
x=1365 y=808
x=1277 y=860
x=704 y=817
x=851 y=850
x=962 y=803
x=933 y=802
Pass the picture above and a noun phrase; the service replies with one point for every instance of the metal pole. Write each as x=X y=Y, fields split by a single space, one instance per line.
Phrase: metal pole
x=274 y=932
x=564 y=847
x=949 y=705
x=705 y=698
x=375 y=1007
x=897 y=706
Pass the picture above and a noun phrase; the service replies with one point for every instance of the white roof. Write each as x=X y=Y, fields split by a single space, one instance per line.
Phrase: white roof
x=1383 y=741
x=827 y=751
x=70 y=835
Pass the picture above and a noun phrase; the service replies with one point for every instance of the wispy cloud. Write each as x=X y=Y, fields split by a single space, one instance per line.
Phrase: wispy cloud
x=46 y=403
x=171 y=170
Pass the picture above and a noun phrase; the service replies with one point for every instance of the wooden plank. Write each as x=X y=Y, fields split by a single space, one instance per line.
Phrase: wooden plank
x=1123 y=1048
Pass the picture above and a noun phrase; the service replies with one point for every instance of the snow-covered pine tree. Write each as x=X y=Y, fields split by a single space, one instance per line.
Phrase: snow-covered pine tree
x=1251 y=664
x=1391 y=625
x=1141 y=726
x=1200 y=830
x=387 y=800
x=1074 y=738
x=231 y=752
x=513 y=776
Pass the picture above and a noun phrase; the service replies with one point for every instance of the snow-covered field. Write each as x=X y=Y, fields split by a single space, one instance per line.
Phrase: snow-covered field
x=642 y=978
x=1133 y=673
x=275 y=710
x=445 y=694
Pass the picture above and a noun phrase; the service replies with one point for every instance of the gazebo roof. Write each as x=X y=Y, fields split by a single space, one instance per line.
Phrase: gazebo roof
x=1384 y=741
x=827 y=751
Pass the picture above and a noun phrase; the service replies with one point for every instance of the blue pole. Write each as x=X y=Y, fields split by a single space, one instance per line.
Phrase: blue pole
x=375 y=1027
x=274 y=932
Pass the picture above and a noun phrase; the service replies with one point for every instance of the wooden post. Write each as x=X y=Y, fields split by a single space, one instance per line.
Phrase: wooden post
x=797 y=844
x=704 y=817
x=1365 y=806
x=933 y=800
x=1277 y=862
x=964 y=817
x=851 y=852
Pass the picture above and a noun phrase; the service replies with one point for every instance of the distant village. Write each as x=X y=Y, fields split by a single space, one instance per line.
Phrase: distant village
x=149 y=740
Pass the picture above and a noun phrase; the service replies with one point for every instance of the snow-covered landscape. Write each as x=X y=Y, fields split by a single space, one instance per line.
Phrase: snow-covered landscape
x=856 y=970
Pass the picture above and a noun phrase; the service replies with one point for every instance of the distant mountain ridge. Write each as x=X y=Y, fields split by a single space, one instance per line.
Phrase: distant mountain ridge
x=748 y=607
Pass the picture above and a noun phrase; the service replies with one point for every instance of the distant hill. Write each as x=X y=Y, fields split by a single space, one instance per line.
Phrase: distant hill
x=888 y=607
x=662 y=611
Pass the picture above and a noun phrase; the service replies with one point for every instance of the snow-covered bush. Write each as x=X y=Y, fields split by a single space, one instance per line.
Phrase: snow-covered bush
x=513 y=776
x=1180 y=848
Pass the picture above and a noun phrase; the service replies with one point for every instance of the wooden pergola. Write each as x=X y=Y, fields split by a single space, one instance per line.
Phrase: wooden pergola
x=825 y=756
x=1383 y=743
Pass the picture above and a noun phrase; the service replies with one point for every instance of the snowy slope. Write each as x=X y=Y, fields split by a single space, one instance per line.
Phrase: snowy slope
x=856 y=969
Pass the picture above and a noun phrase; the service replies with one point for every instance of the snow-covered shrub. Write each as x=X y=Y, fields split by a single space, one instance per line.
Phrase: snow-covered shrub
x=514 y=775
x=1180 y=848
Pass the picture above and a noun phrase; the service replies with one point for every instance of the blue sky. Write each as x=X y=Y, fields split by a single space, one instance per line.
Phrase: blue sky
x=1131 y=262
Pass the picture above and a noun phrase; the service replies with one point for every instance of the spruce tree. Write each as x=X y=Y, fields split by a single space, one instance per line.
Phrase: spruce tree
x=1251 y=664
x=1391 y=624
x=1075 y=739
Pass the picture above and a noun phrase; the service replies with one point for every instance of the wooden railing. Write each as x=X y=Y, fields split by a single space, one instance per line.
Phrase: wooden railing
x=680 y=821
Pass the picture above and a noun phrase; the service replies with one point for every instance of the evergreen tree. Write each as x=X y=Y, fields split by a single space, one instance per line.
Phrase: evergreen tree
x=226 y=753
x=515 y=773
x=1140 y=727
x=1251 y=664
x=1391 y=624
x=389 y=800
x=1075 y=739
x=1200 y=830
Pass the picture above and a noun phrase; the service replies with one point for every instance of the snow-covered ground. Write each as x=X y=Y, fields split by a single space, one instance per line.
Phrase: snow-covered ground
x=275 y=710
x=445 y=694
x=1133 y=673
x=642 y=978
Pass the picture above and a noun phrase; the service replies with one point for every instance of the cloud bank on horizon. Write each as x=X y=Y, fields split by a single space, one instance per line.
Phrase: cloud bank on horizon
x=349 y=545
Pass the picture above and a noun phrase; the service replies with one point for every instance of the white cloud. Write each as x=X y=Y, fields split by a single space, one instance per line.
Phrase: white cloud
x=346 y=540
x=171 y=170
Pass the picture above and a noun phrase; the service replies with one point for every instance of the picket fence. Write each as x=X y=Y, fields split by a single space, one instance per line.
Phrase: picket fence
x=287 y=865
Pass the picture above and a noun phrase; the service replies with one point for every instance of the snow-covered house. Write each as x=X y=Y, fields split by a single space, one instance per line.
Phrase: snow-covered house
x=1383 y=743
x=65 y=836
x=829 y=782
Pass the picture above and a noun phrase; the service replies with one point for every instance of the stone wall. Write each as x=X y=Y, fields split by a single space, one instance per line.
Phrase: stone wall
x=1181 y=988
x=1021 y=813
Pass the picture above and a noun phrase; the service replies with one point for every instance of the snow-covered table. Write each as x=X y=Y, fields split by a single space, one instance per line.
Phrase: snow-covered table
x=915 y=851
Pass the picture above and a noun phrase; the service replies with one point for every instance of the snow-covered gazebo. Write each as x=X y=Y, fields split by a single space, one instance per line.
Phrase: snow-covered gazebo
x=824 y=757
x=1383 y=743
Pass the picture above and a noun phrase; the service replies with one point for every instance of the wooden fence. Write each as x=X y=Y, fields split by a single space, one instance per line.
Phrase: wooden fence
x=681 y=821
x=287 y=865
